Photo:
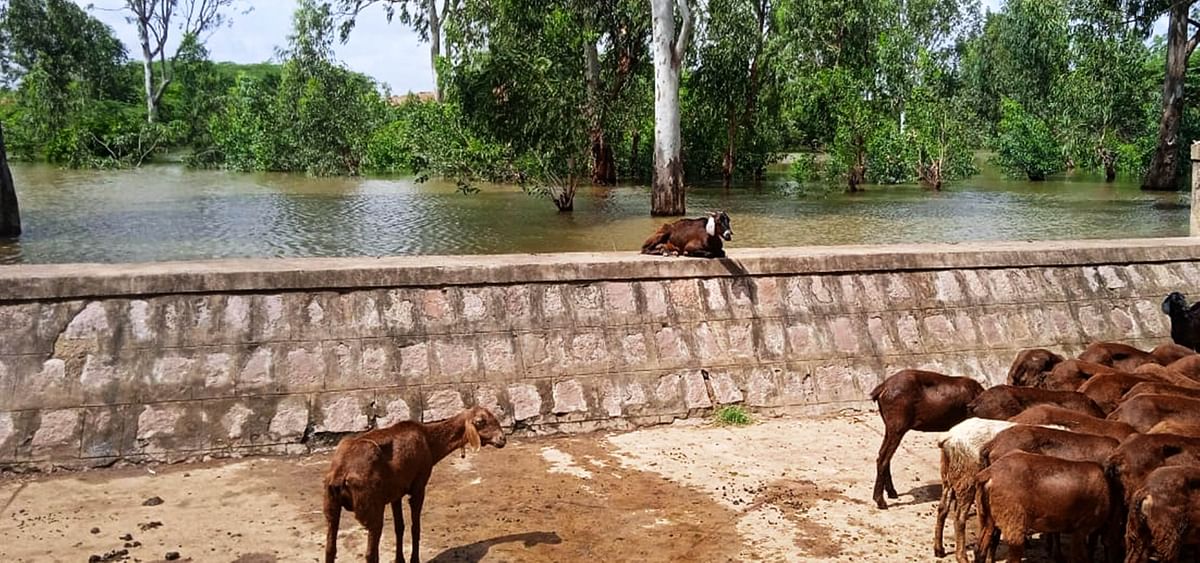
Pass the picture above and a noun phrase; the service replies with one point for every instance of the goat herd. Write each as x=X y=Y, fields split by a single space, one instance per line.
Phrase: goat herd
x=1104 y=447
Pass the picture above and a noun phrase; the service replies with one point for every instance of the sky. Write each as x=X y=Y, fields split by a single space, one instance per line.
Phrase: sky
x=390 y=53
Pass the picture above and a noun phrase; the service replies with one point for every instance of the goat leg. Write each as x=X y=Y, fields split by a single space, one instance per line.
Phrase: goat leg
x=333 y=517
x=372 y=519
x=398 y=523
x=883 y=465
x=415 y=501
x=943 y=510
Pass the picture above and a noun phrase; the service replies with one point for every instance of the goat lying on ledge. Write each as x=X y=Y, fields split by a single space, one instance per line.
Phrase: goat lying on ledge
x=691 y=237
x=376 y=469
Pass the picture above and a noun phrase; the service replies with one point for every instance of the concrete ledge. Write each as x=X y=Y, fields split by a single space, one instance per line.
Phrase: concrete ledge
x=72 y=281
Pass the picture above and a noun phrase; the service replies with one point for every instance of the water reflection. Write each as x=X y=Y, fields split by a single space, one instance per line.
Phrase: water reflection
x=171 y=213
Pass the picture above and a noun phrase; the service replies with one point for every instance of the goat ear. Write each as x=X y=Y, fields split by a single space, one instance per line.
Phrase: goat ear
x=472 y=435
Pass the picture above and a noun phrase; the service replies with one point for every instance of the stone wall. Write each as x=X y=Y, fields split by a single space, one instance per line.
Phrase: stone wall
x=169 y=361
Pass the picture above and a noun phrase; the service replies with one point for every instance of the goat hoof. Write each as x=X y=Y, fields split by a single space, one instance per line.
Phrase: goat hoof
x=939 y=552
x=893 y=495
x=881 y=504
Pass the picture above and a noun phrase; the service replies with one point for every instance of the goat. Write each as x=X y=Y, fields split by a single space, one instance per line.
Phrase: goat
x=1075 y=421
x=1031 y=367
x=1187 y=366
x=916 y=400
x=1070 y=375
x=691 y=237
x=1165 y=375
x=1185 y=320
x=1005 y=401
x=960 y=462
x=1121 y=357
x=1060 y=443
x=1164 y=515
x=1140 y=454
x=1144 y=411
x=1107 y=389
x=1169 y=353
x=378 y=468
x=1022 y=493
x=1176 y=427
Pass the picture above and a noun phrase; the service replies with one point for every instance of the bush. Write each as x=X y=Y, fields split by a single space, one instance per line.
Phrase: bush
x=1024 y=145
x=890 y=158
x=732 y=415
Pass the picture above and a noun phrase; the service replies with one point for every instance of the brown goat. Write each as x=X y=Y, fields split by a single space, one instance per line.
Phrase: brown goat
x=1188 y=366
x=1107 y=389
x=1023 y=493
x=700 y=237
x=1003 y=402
x=916 y=400
x=378 y=468
x=1164 y=515
x=1070 y=375
x=1063 y=444
x=1144 y=411
x=1122 y=357
x=1140 y=454
x=1176 y=427
x=1165 y=375
x=1158 y=388
x=1169 y=353
x=1073 y=420
x=1032 y=366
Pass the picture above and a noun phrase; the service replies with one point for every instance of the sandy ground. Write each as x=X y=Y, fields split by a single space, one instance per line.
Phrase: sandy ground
x=778 y=490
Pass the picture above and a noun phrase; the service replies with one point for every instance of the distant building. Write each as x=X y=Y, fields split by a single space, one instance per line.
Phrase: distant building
x=417 y=96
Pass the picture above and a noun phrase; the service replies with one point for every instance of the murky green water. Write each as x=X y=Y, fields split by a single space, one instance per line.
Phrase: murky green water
x=171 y=213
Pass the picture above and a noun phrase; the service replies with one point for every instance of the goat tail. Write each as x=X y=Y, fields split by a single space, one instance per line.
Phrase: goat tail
x=985 y=455
x=877 y=391
x=656 y=240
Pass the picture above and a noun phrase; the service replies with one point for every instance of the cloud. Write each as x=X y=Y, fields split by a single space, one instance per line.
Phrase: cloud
x=389 y=53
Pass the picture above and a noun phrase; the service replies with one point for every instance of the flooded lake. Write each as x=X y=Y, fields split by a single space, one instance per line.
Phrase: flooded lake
x=167 y=212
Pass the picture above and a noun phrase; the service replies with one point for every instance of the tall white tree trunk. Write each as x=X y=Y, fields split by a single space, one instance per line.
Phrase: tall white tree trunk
x=148 y=76
x=666 y=197
x=435 y=46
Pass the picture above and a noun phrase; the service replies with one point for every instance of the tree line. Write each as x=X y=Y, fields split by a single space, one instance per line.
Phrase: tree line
x=554 y=94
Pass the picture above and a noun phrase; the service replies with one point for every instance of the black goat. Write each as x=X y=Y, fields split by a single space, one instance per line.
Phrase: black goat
x=1185 y=320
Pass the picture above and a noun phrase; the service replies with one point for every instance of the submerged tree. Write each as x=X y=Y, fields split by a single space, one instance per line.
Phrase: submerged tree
x=667 y=196
x=10 y=213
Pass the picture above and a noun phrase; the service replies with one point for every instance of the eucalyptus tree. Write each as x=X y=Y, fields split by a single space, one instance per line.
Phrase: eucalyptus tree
x=1183 y=34
x=668 y=47
x=155 y=20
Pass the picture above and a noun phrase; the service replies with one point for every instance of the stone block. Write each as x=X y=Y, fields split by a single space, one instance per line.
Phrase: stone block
x=552 y=302
x=654 y=295
x=543 y=353
x=947 y=289
x=392 y=407
x=1094 y=324
x=479 y=307
x=518 y=306
x=343 y=412
x=90 y=323
x=587 y=352
x=797 y=386
x=743 y=294
x=438 y=310
x=1154 y=323
x=992 y=330
x=190 y=320
x=762 y=388
x=768 y=302
x=455 y=360
x=881 y=338
x=43 y=384
x=488 y=397
x=302 y=368
x=1002 y=288
x=630 y=351
x=695 y=391
x=909 y=333
x=235 y=319
x=587 y=302
x=499 y=357
x=1122 y=322
x=965 y=336
x=667 y=390
x=620 y=302
x=400 y=312
x=716 y=306
x=939 y=332
x=772 y=340
x=711 y=348
x=109 y=431
x=569 y=397
x=684 y=295
x=741 y=339
x=104 y=379
x=526 y=401
x=805 y=341
x=170 y=378
x=414 y=360
x=256 y=371
x=16 y=322
x=671 y=348
x=58 y=435
x=268 y=323
x=1167 y=276
x=873 y=294
x=167 y=427
x=442 y=404
x=845 y=334
x=236 y=424
x=290 y=420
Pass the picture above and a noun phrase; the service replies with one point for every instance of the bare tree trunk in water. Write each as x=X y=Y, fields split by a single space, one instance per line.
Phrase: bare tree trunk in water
x=10 y=214
x=635 y=140
x=1164 y=166
x=667 y=196
x=727 y=162
x=604 y=168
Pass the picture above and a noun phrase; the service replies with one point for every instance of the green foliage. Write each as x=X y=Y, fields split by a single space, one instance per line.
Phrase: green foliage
x=890 y=156
x=1024 y=145
x=805 y=168
x=732 y=415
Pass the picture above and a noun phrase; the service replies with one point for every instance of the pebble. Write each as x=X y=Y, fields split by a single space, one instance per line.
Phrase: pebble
x=152 y=501
x=171 y=555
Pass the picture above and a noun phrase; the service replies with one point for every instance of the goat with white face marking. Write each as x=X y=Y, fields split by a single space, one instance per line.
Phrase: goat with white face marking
x=702 y=237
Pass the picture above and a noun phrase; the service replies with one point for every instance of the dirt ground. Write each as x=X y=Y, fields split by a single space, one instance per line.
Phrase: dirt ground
x=779 y=490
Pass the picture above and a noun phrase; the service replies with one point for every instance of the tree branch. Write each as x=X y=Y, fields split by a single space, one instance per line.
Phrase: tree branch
x=685 y=31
